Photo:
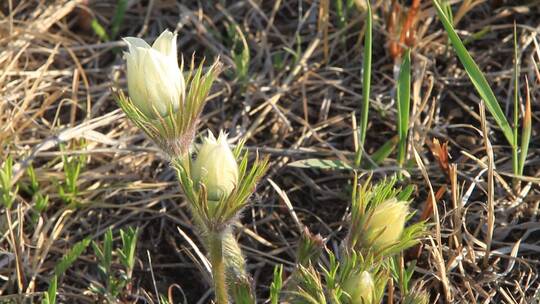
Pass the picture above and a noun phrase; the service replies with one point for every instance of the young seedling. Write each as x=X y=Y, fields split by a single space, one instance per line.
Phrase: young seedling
x=69 y=189
x=32 y=186
x=277 y=284
x=127 y=251
x=7 y=191
x=114 y=282
x=239 y=53
x=40 y=204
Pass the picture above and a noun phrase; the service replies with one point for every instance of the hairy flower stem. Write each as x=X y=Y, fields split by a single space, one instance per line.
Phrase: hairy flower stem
x=239 y=281
x=215 y=247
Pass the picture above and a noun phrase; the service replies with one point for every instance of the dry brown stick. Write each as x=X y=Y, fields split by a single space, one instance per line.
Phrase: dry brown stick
x=18 y=254
x=322 y=26
x=456 y=202
x=490 y=184
x=438 y=253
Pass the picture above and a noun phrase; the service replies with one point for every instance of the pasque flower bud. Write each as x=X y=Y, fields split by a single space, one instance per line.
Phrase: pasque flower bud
x=386 y=223
x=360 y=287
x=154 y=79
x=215 y=167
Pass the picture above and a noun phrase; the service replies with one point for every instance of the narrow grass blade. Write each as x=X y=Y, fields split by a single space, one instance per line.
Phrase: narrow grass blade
x=403 y=105
x=447 y=7
x=384 y=151
x=477 y=78
x=341 y=14
x=366 y=84
x=515 y=152
x=526 y=129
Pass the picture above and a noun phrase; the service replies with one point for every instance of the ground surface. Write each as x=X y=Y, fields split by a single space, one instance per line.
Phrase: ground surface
x=295 y=100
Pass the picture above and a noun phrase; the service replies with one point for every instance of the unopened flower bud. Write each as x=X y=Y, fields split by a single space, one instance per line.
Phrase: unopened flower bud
x=360 y=287
x=386 y=223
x=216 y=167
x=155 y=82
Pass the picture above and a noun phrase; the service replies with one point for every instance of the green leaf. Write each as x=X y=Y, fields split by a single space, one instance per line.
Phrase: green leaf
x=71 y=256
x=107 y=248
x=405 y=194
x=317 y=163
x=476 y=76
x=447 y=7
x=99 y=30
x=50 y=296
x=127 y=252
x=277 y=284
x=41 y=202
x=403 y=105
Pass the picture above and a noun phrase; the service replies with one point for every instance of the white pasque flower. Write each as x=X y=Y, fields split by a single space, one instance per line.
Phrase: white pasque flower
x=215 y=167
x=154 y=78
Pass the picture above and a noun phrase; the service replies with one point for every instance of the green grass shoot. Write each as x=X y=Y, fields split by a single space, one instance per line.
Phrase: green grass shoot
x=403 y=106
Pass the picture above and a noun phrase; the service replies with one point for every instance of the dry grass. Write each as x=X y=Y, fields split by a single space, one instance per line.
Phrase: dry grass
x=303 y=86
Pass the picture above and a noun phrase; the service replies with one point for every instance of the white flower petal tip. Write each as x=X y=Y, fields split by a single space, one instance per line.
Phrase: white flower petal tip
x=155 y=82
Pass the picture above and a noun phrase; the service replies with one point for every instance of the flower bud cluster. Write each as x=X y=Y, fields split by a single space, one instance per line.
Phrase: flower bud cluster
x=166 y=106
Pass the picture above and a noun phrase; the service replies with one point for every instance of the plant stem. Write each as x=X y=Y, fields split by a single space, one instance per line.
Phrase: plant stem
x=218 y=267
x=238 y=279
x=366 y=85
